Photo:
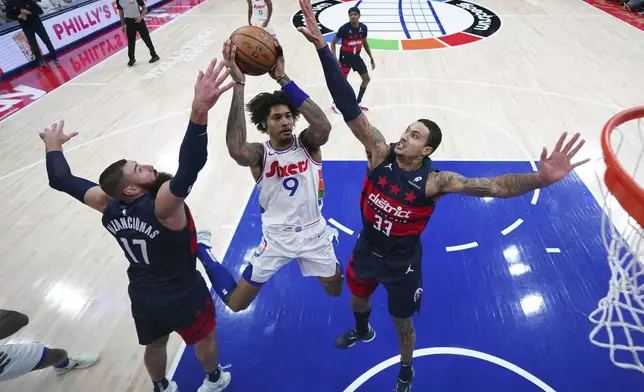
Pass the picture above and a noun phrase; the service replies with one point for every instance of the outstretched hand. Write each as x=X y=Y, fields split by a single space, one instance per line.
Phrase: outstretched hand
x=229 y=52
x=208 y=87
x=554 y=168
x=54 y=137
x=311 y=31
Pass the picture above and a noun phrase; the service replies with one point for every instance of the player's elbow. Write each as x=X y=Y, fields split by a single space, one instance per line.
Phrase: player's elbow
x=322 y=133
x=239 y=156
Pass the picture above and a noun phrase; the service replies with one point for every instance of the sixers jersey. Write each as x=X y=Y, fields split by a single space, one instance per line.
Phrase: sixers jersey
x=291 y=187
x=162 y=261
x=260 y=9
x=395 y=208
x=352 y=37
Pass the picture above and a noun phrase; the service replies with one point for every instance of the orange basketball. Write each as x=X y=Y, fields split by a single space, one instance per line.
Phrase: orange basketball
x=256 y=53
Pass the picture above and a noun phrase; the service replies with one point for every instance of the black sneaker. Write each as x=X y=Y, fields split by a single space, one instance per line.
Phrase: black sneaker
x=131 y=62
x=350 y=338
x=154 y=59
x=404 y=386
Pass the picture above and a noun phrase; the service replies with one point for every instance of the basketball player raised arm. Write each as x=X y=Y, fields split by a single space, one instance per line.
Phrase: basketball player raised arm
x=552 y=169
x=317 y=133
x=193 y=153
x=244 y=153
x=172 y=193
x=343 y=95
x=60 y=174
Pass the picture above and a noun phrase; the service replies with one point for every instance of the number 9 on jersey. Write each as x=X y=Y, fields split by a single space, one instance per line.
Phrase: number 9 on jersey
x=291 y=184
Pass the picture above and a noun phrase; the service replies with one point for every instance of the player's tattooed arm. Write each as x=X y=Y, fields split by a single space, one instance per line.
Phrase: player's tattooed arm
x=317 y=134
x=371 y=138
x=507 y=185
x=244 y=153
x=552 y=168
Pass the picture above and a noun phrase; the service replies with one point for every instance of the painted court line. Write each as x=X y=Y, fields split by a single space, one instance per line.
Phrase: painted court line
x=450 y=351
x=553 y=250
x=455 y=248
x=513 y=226
x=341 y=226
x=535 y=196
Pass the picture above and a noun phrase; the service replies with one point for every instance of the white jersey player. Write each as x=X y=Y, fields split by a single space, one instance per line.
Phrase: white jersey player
x=260 y=13
x=21 y=358
x=288 y=172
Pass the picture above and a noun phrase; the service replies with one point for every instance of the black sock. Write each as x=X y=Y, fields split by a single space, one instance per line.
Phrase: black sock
x=160 y=386
x=214 y=376
x=406 y=372
x=362 y=321
x=361 y=93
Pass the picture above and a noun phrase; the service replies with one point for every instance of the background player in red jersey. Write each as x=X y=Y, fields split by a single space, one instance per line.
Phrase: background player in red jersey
x=146 y=213
x=400 y=189
x=354 y=37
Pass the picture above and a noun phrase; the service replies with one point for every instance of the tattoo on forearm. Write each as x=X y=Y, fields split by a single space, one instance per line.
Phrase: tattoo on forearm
x=244 y=153
x=508 y=185
x=517 y=184
x=406 y=332
x=319 y=128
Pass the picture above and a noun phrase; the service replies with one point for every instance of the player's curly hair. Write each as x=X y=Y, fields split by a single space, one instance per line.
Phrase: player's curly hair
x=260 y=108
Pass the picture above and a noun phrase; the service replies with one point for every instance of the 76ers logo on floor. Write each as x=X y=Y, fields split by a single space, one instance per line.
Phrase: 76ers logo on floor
x=409 y=24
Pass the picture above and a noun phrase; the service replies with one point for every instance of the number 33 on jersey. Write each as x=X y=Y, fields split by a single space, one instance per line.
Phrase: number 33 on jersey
x=291 y=186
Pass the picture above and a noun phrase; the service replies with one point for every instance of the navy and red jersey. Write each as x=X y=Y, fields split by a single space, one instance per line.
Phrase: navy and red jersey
x=162 y=261
x=352 y=37
x=395 y=208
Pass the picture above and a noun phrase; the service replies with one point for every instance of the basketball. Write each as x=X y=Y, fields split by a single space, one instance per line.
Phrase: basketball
x=256 y=53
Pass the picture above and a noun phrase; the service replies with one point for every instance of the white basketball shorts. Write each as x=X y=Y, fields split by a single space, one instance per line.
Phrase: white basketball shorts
x=24 y=358
x=312 y=247
x=260 y=23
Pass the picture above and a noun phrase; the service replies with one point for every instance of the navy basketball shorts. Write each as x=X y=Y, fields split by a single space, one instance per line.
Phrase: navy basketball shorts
x=404 y=287
x=191 y=315
x=350 y=61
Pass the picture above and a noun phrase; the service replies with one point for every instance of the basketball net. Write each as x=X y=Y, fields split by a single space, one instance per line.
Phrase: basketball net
x=619 y=317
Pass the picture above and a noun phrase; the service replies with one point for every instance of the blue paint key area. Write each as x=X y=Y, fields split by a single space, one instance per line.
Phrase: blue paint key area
x=507 y=298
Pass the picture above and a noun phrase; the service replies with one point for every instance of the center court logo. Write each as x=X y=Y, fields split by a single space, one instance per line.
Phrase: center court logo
x=409 y=24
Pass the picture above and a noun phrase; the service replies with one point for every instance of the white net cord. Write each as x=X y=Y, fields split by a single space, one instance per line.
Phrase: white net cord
x=619 y=317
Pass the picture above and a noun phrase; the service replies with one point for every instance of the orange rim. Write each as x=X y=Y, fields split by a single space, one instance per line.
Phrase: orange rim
x=621 y=184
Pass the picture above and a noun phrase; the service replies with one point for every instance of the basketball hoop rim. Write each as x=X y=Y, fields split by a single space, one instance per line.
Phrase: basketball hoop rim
x=621 y=184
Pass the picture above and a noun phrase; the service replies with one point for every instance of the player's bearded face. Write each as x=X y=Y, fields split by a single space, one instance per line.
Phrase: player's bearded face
x=153 y=187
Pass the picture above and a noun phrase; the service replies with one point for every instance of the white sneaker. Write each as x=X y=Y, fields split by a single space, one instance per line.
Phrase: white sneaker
x=172 y=387
x=78 y=361
x=204 y=238
x=220 y=385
